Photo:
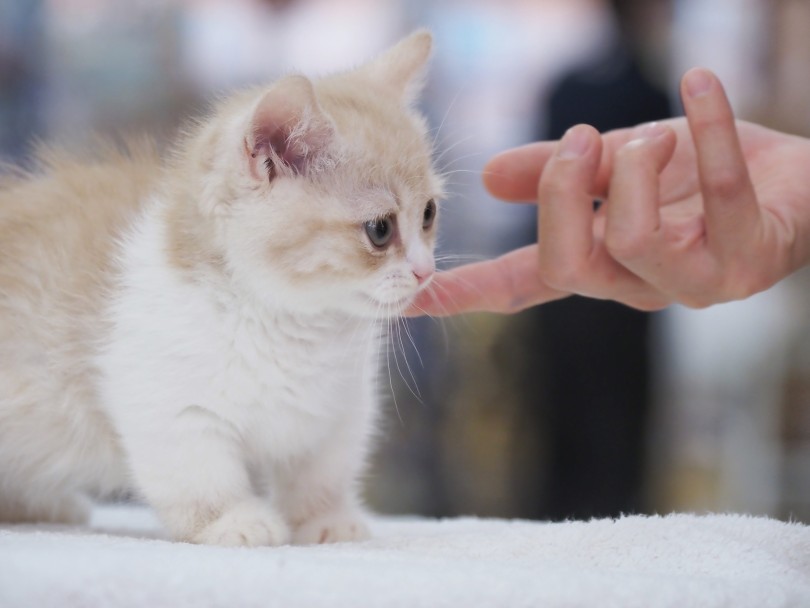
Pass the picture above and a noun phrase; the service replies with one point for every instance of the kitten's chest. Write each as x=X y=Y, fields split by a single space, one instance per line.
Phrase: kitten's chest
x=280 y=365
x=286 y=381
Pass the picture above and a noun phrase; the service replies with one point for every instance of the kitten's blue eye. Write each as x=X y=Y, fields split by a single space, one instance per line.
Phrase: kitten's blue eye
x=380 y=231
x=429 y=215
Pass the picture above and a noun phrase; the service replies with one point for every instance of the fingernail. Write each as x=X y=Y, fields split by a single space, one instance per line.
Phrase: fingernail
x=697 y=82
x=574 y=143
x=651 y=130
x=647 y=132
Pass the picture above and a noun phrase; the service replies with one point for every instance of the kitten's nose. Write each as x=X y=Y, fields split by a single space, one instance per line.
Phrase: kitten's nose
x=423 y=274
x=422 y=263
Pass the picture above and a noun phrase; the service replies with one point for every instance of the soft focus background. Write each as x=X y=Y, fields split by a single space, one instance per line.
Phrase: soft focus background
x=571 y=410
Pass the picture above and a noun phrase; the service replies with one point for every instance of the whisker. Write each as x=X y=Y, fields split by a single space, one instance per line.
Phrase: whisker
x=390 y=377
x=404 y=323
x=447 y=174
x=465 y=282
x=461 y=258
x=440 y=321
x=415 y=389
x=446 y=168
x=452 y=147
x=446 y=114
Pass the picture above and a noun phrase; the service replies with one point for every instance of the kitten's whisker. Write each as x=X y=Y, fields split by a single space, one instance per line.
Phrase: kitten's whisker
x=434 y=288
x=498 y=173
x=450 y=148
x=457 y=159
x=465 y=282
x=447 y=174
x=440 y=321
x=404 y=323
x=446 y=114
x=388 y=365
x=415 y=389
x=447 y=296
x=461 y=258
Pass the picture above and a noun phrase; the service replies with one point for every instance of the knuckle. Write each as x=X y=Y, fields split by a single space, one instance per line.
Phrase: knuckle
x=625 y=244
x=744 y=284
x=654 y=305
x=649 y=302
x=555 y=187
x=561 y=180
x=725 y=183
x=695 y=300
x=724 y=281
x=705 y=289
x=566 y=276
x=634 y=156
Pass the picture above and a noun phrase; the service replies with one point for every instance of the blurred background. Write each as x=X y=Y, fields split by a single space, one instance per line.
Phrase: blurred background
x=571 y=410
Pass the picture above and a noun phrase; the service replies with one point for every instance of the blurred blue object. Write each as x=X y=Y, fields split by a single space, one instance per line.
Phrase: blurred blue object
x=21 y=75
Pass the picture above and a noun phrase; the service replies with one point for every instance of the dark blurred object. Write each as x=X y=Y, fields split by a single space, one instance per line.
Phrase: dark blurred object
x=21 y=75
x=279 y=5
x=590 y=390
x=610 y=93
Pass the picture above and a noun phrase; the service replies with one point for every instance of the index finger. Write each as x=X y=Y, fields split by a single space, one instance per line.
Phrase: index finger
x=513 y=174
x=505 y=284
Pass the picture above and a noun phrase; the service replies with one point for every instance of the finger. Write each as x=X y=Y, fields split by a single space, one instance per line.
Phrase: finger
x=506 y=284
x=633 y=234
x=571 y=239
x=566 y=206
x=730 y=205
x=513 y=175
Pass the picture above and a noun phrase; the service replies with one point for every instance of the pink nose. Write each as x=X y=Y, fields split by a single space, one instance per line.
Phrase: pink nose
x=422 y=275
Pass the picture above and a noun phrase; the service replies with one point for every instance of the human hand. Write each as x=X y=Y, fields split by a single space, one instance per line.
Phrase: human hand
x=697 y=210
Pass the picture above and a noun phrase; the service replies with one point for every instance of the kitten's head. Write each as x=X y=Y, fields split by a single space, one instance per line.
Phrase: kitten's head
x=322 y=194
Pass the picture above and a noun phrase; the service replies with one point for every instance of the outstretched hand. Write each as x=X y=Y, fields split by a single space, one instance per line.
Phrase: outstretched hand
x=697 y=210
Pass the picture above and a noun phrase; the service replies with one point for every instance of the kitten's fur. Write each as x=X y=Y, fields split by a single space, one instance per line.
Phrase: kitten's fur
x=205 y=330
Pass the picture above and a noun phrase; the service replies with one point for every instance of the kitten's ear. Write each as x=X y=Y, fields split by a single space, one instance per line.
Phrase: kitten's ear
x=402 y=68
x=289 y=133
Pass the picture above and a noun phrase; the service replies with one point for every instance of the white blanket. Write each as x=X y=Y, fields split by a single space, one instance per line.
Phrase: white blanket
x=678 y=560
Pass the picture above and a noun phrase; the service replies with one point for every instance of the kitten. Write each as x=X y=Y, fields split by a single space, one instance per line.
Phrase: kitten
x=206 y=330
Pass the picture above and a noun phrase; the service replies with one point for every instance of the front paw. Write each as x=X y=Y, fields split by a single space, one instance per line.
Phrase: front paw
x=248 y=524
x=332 y=527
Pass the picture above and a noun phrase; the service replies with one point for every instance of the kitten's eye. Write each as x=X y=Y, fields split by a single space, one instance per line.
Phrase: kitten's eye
x=429 y=214
x=380 y=231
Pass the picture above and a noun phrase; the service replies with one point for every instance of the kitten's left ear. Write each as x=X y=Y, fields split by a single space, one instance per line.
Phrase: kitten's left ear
x=288 y=133
x=401 y=69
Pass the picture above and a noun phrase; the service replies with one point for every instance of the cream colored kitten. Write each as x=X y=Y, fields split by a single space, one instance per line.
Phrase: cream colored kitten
x=206 y=330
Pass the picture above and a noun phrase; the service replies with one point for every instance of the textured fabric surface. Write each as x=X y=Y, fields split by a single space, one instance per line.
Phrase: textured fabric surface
x=121 y=559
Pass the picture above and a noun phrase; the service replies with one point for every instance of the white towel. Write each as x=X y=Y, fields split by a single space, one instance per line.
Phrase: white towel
x=678 y=560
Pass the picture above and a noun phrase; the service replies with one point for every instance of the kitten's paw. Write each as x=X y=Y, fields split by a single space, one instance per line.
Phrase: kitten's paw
x=332 y=527
x=248 y=524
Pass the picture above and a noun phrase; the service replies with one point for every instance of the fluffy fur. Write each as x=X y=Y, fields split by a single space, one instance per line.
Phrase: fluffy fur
x=205 y=329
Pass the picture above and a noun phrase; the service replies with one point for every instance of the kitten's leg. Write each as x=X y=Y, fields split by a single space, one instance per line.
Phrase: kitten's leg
x=199 y=485
x=319 y=494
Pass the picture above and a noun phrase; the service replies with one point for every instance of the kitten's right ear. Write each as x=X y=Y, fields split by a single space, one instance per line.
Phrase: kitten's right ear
x=401 y=69
x=288 y=134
